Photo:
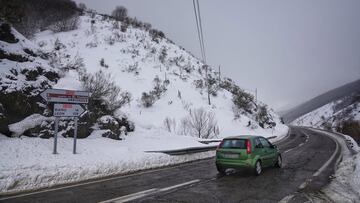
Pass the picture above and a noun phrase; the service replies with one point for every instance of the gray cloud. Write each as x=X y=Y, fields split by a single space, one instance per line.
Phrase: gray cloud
x=290 y=50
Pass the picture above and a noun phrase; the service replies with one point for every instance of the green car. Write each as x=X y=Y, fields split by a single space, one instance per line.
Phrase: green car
x=247 y=152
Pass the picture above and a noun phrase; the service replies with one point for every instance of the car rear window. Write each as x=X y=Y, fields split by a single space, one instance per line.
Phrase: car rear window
x=233 y=144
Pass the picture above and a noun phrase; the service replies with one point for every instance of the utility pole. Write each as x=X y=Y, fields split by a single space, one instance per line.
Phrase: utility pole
x=207 y=84
x=256 y=95
x=219 y=74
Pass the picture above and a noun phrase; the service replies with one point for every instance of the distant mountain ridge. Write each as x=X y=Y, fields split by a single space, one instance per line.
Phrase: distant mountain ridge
x=321 y=100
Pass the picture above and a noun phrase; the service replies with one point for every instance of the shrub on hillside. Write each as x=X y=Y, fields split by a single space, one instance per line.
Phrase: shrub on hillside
x=65 y=25
x=199 y=83
x=116 y=25
x=82 y=7
x=163 y=55
x=124 y=27
x=264 y=118
x=5 y=33
x=147 y=99
x=103 y=64
x=120 y=13
x=104 y=91
x=212 y=84
x=110 y=40
x=243 y=101
x=350 y=127
x=117 y=128
x=147 y=26
x=156 y=35
x=159 y=87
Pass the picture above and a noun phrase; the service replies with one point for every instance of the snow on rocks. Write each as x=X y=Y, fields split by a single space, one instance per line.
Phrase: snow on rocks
x=23 y=67
x=352 y=143
x=29 y=122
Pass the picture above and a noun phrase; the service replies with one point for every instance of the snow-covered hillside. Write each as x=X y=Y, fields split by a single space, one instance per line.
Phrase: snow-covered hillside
x=332 y=114
x=138 y=62
x=134 y=60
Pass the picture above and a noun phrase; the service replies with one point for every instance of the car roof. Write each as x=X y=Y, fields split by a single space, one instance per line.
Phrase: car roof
x=242 y=137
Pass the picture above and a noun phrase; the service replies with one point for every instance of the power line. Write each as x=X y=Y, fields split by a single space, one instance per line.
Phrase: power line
x=198 y=29
x=201 y=30
x=201 y=41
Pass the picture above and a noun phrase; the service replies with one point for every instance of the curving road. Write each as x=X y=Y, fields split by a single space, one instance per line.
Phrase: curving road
x=309 y=158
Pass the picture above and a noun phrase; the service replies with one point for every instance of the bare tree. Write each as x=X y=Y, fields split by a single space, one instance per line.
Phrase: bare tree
x=184 y=127
x=120 y=13
x=202 y=123
x=170 y=124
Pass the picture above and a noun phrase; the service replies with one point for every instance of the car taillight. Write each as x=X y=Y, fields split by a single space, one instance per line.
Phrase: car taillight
x=248 y=147
x=218 y=147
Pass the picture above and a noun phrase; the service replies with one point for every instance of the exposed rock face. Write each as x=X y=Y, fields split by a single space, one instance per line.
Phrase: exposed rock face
x=24 y=74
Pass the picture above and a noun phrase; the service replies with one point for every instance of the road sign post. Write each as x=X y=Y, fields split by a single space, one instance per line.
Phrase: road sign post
x=55 y=134
x=75 y=135
x=67 y=104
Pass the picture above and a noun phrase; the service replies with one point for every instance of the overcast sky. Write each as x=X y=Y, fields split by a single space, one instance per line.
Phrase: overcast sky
x=290 y=51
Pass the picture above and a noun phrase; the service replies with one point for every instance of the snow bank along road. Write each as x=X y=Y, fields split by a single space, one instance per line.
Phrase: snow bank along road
x=309 y=160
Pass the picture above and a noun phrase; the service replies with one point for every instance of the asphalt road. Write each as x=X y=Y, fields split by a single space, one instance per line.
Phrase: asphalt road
x=304 y=153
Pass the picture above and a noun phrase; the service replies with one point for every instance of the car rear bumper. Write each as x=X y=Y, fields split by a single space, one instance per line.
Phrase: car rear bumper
x=243 y=164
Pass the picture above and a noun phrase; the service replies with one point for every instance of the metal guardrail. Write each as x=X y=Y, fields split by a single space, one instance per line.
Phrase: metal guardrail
x=209 y=141
x=189 y=150
x=272 y=137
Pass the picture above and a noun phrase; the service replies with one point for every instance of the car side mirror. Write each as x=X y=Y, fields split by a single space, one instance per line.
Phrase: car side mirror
x=274 y=146
x=258 y=146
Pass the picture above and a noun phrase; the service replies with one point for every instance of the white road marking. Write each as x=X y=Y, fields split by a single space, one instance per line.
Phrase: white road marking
x=145 y=193
x=130 y=197
x=286 y=199
x=179 y=185
x=301 y=144
x=323 y=167
x=97 y=181
x=304 y=184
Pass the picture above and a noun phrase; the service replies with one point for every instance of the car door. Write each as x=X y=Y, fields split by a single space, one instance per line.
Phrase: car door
x=259 y=149
x=267 y=152
x=273 y=153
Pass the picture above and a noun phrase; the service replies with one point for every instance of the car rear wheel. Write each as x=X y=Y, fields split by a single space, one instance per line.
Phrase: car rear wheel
x=220 y=169
x=258 y=168
x=279 y=162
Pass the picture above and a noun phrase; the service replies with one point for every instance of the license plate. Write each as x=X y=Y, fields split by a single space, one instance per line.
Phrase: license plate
x=231 y=156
